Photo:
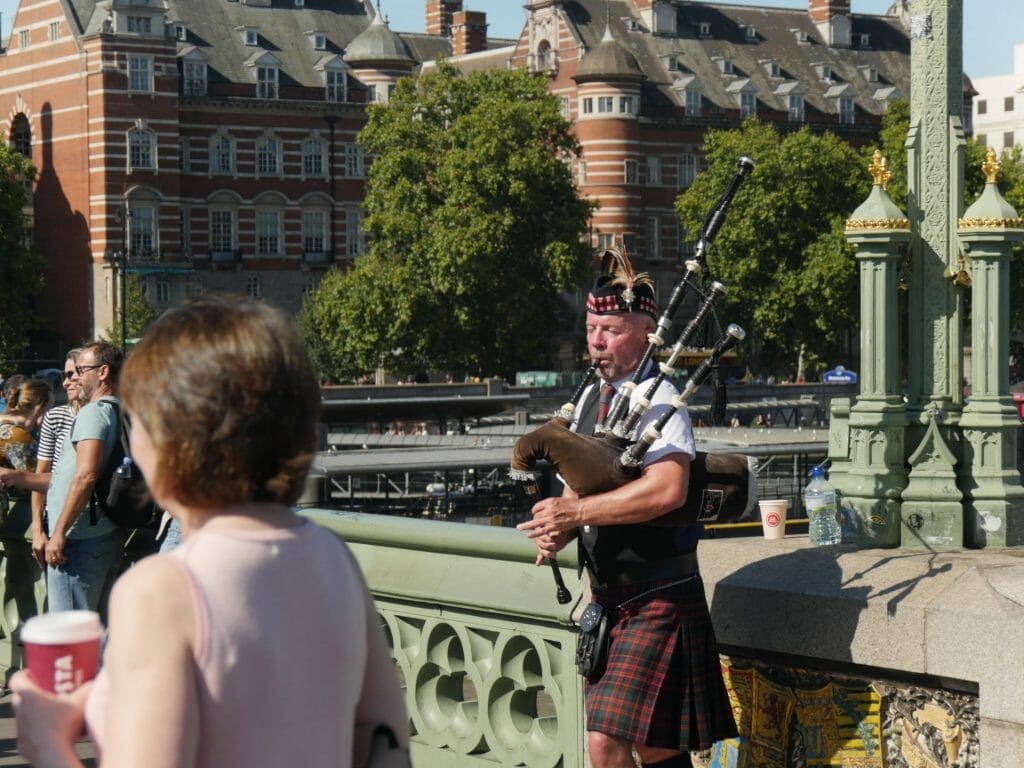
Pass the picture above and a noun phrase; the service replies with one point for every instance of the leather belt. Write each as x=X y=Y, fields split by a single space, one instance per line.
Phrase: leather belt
x=678 y=567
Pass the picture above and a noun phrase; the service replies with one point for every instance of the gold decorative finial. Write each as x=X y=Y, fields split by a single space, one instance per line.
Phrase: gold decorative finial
x=879 y=170
x=991 y=167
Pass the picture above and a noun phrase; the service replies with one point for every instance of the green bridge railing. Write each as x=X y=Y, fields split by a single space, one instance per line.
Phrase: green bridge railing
x=485 y=653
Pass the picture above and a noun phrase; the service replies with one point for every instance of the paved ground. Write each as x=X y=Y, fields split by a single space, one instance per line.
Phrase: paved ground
x=9 y=740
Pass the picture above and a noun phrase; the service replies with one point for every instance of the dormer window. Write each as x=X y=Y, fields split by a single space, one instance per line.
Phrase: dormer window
x=748 y=105
x=632 y=25
x=824 y=71
x=251 y=36
x=750 y=33
x=694 y=102
x=266 y=82
x=141 y=25
x=337 y=85
x=870 y=73
x=793 y=97
x=772 y=68
x=746 y=96
x=847 y=110
x=801 y=36
x=704 y=29
x=181 y=32
x=724 y=65
x=317 y=39
x=865 y=40
x=845 y=107
x=194 y=81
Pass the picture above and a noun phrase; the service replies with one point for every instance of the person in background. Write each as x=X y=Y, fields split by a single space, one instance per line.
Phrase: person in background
x=26 y=409
x=264 y=648
x=52 y=434
x=85 y=548
x=9 y=386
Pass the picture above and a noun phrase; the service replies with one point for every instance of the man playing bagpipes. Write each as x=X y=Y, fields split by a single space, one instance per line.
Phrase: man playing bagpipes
x=659 y=689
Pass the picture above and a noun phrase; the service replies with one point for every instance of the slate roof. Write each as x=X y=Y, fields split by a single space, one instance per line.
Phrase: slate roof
x=775 y=38
x=609 y=60
x=377 y=43
x=667 y=63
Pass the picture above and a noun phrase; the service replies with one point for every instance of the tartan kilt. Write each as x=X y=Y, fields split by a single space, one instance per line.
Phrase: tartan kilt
x=662 y=686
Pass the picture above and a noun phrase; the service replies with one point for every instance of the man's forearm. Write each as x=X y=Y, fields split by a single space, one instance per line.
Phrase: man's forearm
x=39 y=498
x=25 y=480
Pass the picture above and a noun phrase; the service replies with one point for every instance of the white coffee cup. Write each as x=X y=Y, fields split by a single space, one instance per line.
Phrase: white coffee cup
x=773 y=517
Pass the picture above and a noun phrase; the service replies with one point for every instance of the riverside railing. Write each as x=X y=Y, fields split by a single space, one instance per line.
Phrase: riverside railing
x=483 y=650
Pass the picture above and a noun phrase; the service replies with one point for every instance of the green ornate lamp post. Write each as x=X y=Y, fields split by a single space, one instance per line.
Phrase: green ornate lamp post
x=930 y=472
x=991 y=479
x=874 y=474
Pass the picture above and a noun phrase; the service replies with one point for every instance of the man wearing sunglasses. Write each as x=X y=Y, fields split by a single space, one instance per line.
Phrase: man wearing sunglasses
x=83 y=551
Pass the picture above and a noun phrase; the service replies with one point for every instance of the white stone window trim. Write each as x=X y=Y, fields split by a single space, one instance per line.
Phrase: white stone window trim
x=135 y=74
x=268 y=147
x=314 y=139
x=140 y=132
x=214 y=151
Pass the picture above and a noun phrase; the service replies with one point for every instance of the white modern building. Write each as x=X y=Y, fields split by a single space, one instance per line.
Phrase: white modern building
x=999 y=106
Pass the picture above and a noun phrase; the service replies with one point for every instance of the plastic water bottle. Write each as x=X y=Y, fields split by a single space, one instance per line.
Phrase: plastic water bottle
x=822 y=511
x=120 y=481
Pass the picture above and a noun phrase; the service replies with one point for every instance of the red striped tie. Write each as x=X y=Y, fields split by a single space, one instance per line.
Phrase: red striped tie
x=604 y=401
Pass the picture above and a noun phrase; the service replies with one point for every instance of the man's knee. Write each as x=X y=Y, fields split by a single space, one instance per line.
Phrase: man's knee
x=609 y=751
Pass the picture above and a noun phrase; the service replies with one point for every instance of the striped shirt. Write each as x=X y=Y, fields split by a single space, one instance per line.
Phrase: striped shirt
x=56 y=425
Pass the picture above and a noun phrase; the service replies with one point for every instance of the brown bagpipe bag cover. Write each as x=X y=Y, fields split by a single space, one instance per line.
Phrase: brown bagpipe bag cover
x=721 y=486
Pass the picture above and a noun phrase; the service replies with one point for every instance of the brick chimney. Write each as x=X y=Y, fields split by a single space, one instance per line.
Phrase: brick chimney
x=822 y=11
x=439 y=16
x=832 y=18
x=469 y=32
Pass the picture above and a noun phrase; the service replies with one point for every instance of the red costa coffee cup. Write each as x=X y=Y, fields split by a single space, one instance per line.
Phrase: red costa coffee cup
x=62 y=649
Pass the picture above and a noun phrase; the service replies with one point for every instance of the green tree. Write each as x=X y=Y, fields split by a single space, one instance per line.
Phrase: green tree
x=475 y=228
x=139 y=313
x=20 y=266
x=791 y=275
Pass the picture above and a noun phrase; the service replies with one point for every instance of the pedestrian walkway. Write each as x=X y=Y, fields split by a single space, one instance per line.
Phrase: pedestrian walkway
x=9 y=740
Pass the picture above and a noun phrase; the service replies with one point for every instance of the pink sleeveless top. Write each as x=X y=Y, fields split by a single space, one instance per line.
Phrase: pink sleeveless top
x=281 y=648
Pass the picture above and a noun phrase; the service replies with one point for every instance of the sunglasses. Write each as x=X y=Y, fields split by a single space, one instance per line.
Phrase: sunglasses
x=80 y=369
x=69 y=374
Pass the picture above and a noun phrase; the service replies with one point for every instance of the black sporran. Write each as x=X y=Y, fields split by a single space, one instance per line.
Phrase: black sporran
x=592 y=650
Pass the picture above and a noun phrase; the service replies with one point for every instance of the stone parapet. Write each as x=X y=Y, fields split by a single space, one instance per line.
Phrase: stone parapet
x=955 y=618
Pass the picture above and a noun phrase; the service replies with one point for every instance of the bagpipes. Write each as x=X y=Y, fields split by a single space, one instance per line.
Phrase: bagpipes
x=721 y=486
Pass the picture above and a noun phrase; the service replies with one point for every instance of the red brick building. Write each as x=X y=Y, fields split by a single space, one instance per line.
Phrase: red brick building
x=214 y=141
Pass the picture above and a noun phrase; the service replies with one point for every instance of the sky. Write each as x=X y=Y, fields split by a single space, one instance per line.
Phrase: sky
x=988 y=37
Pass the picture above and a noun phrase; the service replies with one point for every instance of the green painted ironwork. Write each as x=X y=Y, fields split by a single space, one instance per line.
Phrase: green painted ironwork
x=485 y=653
x=930 y=473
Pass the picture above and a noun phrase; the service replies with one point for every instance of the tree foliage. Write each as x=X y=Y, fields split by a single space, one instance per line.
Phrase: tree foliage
x=20 y=266
x=139 y=313
x=791 y=275
x=475 y=227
